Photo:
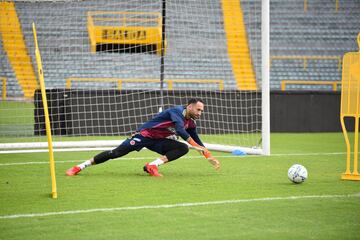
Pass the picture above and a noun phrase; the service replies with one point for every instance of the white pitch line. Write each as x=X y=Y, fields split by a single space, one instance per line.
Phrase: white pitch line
x=68 y=161
x=194 y=204
x=75 y=161
x=186 y=157
x=55 y=150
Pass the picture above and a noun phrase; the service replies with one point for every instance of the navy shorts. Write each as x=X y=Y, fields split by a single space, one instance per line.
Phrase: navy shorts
x=137 y=142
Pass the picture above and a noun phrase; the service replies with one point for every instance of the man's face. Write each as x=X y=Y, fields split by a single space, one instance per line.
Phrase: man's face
x=195 y=110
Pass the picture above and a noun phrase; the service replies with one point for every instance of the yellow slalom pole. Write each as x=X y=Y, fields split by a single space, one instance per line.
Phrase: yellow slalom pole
x=46 y=111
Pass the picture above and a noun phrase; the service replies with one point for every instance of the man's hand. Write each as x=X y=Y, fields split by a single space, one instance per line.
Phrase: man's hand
x=203 y=151
x=200 y=149
x=206 y=153
x=213 y=161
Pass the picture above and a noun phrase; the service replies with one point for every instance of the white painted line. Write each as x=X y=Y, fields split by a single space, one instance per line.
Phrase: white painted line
x=194 y=204
x=78 y=161
x=306 y=154
x=186 y=157
x=55 y=150
x=22 y=163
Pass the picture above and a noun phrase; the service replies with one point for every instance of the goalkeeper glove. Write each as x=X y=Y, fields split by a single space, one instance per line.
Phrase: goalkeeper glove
x=205 y=152
x=202 y=149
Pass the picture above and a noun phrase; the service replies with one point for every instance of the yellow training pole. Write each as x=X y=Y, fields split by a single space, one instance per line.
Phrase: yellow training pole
x=47 y=119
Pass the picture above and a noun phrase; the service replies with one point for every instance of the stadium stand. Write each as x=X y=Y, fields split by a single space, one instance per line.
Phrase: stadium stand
x=12 y=86
x=58 y=67
x=321 y=31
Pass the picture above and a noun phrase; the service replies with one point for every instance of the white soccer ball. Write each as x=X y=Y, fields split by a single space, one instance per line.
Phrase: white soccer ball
x=297 y=173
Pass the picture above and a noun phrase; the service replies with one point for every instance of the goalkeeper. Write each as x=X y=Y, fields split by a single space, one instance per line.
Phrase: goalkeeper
x=157 y=135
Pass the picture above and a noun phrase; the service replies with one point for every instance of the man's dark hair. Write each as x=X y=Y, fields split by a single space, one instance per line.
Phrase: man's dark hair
x=195 y=100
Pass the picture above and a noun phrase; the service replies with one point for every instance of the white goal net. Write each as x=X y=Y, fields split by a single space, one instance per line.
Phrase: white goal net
x=111 y=65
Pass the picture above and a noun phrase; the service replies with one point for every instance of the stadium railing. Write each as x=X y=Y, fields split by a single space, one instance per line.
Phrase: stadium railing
x=309 y=82
x=306 y=58
x=306 y=5
x=170 y=82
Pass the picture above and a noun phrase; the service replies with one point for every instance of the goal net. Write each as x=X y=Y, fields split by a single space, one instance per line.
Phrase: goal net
x=111 y=65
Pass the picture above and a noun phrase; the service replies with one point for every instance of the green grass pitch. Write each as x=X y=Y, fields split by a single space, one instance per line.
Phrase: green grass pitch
x=263 y=207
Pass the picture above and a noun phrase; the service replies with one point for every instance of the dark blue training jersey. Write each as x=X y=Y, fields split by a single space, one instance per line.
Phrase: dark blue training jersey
x=169 y=122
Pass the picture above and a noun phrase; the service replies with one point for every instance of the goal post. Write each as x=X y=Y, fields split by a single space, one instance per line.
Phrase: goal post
x=113 y=46
x=265 y=76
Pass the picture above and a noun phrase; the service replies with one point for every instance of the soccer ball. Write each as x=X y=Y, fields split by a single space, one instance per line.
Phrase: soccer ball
x=297 y=173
